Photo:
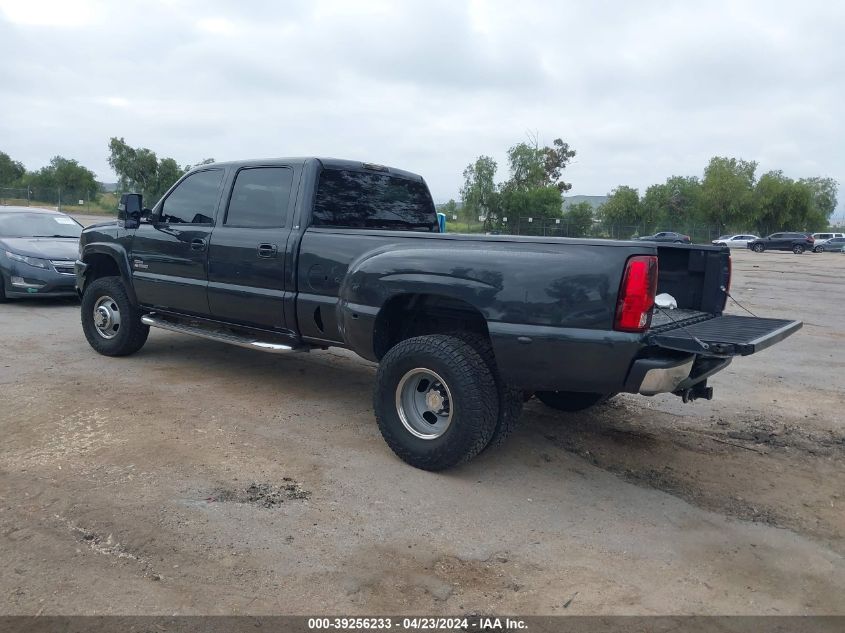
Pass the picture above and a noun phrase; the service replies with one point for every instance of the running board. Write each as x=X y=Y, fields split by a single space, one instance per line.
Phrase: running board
x=223 y=337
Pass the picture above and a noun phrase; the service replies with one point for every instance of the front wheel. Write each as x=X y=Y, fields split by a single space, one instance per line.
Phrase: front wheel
x=572 y=401
x=758 y=248
x=818 y=249
x=3 y=297
x=110 y=321
x=798 y=249
x=435 y=401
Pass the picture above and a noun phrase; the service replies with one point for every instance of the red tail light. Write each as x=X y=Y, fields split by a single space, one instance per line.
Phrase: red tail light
x=636 y=294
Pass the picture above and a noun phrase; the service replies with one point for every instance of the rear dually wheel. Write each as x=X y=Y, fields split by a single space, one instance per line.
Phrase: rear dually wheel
x=435 y=401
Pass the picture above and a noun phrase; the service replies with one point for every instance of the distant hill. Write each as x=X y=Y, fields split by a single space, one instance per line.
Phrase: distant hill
x=108 y=187
x=595 y=201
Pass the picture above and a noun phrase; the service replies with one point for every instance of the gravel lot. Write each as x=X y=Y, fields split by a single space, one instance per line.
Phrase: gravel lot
x=195 y=477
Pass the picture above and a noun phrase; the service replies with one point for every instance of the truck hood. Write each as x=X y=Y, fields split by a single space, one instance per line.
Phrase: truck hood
x=62 y=248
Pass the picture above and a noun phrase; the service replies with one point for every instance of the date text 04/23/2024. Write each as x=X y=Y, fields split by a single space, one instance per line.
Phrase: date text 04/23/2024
x=417 y=624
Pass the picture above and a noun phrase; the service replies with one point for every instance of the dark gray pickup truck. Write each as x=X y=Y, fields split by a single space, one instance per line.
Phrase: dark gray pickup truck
x=288 y=255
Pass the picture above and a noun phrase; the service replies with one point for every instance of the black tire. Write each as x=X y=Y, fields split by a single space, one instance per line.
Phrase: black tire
x=472 y=400
x=129 y=335
x=818 y=249
x=510 y=398
x=572 y=401
x=758 y=248
x=798 y=249
x=3 y=297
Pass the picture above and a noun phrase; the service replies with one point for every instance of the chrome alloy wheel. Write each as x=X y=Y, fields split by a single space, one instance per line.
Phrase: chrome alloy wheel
x=424 y=403
x=106 y=317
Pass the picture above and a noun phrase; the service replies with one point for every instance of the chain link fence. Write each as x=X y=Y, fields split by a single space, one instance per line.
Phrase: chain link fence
x=560 y=227
x=66 y=200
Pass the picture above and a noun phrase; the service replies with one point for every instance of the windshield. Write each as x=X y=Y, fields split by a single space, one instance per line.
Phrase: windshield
x=38 y=225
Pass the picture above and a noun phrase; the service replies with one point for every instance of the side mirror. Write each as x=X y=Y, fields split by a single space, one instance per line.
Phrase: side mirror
x=129 y=210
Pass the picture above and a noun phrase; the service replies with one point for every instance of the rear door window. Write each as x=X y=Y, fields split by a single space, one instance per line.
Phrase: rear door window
x=363 y=200
x=260 y=198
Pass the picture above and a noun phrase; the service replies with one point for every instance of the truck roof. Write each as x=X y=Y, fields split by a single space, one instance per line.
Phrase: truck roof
x=328 y=163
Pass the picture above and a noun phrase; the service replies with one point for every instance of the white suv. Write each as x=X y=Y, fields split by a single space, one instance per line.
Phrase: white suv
x=826 y=236
x=821 y=238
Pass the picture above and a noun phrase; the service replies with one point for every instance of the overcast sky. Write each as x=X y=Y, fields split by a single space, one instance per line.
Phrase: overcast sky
x=641 y=90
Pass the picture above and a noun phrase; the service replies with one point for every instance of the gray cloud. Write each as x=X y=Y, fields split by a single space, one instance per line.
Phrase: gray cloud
x=642 y=90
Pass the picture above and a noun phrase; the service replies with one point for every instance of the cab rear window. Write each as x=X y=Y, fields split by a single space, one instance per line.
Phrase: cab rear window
x=366 y=200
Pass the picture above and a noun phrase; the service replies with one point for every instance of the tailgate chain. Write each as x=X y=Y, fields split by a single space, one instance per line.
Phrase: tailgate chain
x=704 y=345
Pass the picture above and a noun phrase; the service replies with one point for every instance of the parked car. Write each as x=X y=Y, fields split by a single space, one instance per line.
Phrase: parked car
x=666 y=236
x=818 y=237
x=833 y=245
x=795 y=242
x=38 y=248
x=735 y=241
x=291 y=255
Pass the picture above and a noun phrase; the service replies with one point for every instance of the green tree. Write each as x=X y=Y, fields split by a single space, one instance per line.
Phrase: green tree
x=556 y=158
x=537 y=202
x=727 y=192
x=784 y=204
x=621 y=212
x=167 y=173
x=673 y=204
x=450 y=209
x=534 y=167
x=63 y=179
x=136 y=169
x=139 y=169
x=11 y=171
x=579 y=219
x=824 y=192
x=479 y=195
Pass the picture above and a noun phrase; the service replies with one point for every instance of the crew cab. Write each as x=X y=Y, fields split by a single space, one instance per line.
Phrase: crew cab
x=292 y=255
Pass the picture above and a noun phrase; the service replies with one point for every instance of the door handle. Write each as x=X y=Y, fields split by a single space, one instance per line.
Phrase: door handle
x=198 y=244
x=267 y=250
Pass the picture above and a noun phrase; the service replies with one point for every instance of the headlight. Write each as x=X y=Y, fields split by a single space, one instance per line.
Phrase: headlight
x=32 y=261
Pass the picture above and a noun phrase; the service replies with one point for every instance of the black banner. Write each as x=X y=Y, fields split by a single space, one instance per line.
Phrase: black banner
x=527 y=624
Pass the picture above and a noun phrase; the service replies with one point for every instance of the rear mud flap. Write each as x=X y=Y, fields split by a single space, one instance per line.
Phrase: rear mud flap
x=727 y=335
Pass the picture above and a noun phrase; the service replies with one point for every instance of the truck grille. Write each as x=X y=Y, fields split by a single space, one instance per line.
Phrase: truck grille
x=63 y=267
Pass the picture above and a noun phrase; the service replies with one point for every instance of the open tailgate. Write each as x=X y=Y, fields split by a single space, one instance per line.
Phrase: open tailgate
x=727 y=335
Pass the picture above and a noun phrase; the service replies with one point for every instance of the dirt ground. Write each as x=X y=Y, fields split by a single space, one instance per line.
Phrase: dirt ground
x=195 y=477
